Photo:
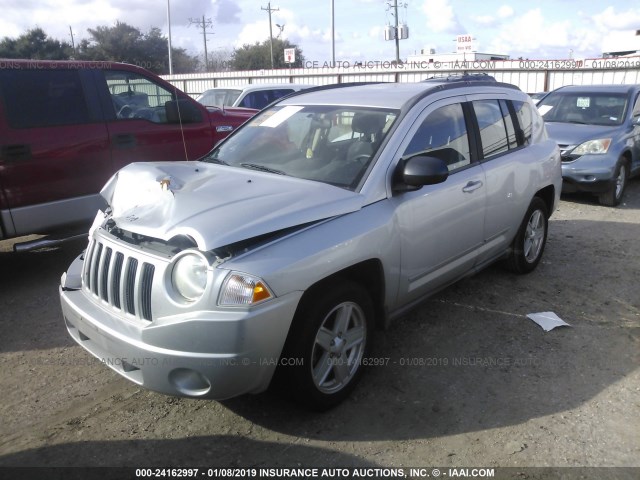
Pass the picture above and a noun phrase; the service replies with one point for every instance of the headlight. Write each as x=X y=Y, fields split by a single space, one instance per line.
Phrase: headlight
x=189 y=276
x=594 y=147
x=241 y=289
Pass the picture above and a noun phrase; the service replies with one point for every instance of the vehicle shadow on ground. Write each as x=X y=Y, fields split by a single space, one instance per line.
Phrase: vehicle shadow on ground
x=32 y=319
x=212 y=451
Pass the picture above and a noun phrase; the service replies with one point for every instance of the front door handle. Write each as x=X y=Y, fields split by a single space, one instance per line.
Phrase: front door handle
x=124 y=140
x=472 y=186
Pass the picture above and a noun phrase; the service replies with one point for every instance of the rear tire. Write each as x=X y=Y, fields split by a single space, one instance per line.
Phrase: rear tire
x=613 y=197
x=330 y=337
x=528 y=246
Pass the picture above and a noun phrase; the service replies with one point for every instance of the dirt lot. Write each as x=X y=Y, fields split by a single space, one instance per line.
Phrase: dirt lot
x=470 y=381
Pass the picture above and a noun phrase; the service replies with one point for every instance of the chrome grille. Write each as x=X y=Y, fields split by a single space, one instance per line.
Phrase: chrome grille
x=120 y=280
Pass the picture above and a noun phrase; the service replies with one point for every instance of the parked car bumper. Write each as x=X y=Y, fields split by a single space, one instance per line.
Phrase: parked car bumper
x=246 y=345
x=589 y=173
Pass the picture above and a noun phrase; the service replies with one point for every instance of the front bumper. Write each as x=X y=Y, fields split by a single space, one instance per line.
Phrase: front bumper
x=245 y=345
x=589 y=173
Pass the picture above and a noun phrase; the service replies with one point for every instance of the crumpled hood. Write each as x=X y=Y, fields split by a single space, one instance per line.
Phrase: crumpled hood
x=217 y=205
x=575 y=134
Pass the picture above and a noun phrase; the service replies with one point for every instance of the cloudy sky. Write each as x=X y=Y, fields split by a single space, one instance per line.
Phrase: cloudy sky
x=534 y=29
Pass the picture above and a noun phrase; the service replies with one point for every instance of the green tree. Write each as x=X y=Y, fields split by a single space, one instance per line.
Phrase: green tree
x=125 y=43
x=258 y=56
x=35 y=45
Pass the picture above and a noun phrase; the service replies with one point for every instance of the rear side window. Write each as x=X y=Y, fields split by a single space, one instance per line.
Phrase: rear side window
x=493 y=131
x=261 y=98
x=43 y=98
x=525 y=120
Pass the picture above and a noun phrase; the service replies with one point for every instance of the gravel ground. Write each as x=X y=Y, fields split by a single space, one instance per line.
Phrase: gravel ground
x=466 y=380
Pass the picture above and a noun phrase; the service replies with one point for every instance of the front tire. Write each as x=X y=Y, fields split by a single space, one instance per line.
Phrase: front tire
x=613 y=197
x=329 y=338
x=531 y=239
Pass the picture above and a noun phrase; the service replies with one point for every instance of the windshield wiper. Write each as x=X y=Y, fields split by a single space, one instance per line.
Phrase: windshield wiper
x=214 y=160
x=262 y=168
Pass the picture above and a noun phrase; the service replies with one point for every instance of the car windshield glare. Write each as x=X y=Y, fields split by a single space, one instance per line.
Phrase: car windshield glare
x=584 y=108
x=330 y=144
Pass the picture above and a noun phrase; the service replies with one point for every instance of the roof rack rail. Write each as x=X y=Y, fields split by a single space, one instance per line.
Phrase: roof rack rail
x=463 y=77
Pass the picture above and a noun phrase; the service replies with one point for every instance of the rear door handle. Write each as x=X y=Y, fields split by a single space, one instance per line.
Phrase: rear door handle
x=124 y=140
x=16 y=152
x=472 y=186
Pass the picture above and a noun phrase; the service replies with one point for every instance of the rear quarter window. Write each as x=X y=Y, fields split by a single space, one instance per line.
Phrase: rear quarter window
x=43 y=98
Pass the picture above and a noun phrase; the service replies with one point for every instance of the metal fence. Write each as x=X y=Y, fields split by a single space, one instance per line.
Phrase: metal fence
x=530 y=75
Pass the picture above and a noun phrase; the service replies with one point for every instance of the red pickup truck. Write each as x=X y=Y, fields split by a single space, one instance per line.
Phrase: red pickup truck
x=67 y=127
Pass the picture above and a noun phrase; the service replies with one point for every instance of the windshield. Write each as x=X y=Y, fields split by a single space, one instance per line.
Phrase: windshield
x=219 y=97
x=331 y=144
x=584 y=107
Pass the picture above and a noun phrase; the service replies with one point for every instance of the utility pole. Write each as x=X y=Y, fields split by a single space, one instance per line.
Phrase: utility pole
x=269 y=9
x=204 y=24
x=398 y=31
x=73 y=44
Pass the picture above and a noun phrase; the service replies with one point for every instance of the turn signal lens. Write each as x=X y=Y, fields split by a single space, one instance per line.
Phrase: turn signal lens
x=241 y=289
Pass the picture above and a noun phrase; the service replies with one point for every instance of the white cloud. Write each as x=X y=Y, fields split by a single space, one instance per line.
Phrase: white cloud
x=532 y=35
x=610 y=20
x=440 y=17
x=505 y=11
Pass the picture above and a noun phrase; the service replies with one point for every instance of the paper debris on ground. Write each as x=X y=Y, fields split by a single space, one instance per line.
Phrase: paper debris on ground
x=547 y=320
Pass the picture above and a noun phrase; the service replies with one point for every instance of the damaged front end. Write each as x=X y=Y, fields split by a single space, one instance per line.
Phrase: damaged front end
x=157 y=280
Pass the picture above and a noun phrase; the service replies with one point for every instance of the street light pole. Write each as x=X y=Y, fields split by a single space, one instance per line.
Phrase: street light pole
x=333 y=35
x=169 y=25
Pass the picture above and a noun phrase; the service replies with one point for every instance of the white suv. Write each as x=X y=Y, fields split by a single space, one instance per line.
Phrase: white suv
x=327 y=215
x=255 y=96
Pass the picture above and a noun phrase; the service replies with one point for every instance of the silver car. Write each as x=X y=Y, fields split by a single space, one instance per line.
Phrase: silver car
x=322 y=219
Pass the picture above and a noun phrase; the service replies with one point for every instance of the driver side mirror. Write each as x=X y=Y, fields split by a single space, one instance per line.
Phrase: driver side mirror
x=415 y=172
x=182 y=111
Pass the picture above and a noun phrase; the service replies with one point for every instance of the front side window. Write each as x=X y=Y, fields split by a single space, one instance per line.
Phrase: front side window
x=134 y=96
x=331 y=144
x=43 y=98
x=443 y=134
x=636 y=107
x=588 y=108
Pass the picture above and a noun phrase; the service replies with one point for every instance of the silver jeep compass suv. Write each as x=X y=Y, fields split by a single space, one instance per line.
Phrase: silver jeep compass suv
x=325 y=216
